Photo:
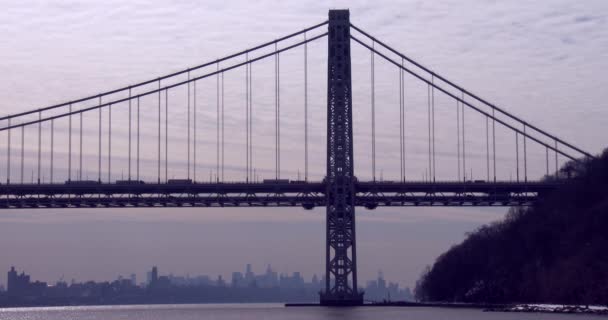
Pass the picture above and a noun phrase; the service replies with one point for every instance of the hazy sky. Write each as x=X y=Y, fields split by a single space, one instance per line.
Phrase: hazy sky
x=544 y=61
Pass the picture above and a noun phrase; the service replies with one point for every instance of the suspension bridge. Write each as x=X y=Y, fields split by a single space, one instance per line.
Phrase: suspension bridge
x=84 y=173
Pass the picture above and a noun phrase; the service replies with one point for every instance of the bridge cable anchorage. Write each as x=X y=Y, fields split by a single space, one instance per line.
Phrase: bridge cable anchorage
x=188 y=139
x=22 y=147
x=110 y=144
x=172 y=74
x=195 y=133
x=138 y=126
x=469 y=105
x=155 y=91
x=52 y=148
x=494 y=144
x=99 y=147
x=217 y=125
x=167 y=136
x=458 y=137
x=474 y=96
x=373 y=111
x=8 y=158
x=159 y=146
x=129 y=170
x=80 y=150
x=305 y=109
x=70 y=144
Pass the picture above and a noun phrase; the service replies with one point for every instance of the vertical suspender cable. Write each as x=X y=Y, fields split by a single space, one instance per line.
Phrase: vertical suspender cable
x=547 y=160
x=137 y=167
x=22 y=146
x=494 y=143
x=129 y=170
x=80 y=151
x=517 y=155
x=401 y=122
x=99 y=147
x=433 y=117
x=194 y=133
x=217 y=126
x=70 y=144
x=464 y=155
x=488 y=148
x=276 y=113
x=188 y=140
x=556 y=154
x=223 y=140
x=158 y=136
x=403 y=117
x=373 y=96
x=52 y=148
x=305 y=109
x=8 y=158
x=110 y=143
x=167 y=136
x=525 y=157
x=430 y=170
x=39 y=143
x=251 y=122
x=247 y=117
x=458 y=136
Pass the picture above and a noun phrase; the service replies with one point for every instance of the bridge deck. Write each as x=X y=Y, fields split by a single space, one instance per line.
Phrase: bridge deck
x=369 y=194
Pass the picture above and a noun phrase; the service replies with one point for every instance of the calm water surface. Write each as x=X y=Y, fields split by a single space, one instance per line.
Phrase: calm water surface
x=263 y=311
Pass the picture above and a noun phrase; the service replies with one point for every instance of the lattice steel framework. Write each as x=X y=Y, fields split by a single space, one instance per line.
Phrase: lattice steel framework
x=341 y=253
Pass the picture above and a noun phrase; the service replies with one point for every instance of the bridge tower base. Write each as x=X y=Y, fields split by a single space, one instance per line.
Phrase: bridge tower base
x=341 y=254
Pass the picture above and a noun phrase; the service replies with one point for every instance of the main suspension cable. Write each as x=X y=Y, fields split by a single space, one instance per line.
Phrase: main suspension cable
x=172 y=74
x=459 y=88
x=464 y=102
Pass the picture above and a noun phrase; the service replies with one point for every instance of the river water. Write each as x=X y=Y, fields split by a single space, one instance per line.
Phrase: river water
x=263 y=311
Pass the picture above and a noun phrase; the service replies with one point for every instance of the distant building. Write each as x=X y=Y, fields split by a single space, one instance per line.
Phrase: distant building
x=19 y=284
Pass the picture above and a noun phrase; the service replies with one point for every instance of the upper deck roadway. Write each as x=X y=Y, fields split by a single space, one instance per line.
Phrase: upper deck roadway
x=279 y=193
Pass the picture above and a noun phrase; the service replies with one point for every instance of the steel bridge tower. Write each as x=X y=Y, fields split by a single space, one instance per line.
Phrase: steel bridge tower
x=341 y=253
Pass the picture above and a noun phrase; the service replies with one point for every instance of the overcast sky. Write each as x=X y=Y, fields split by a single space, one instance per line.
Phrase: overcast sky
x=543 y=61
